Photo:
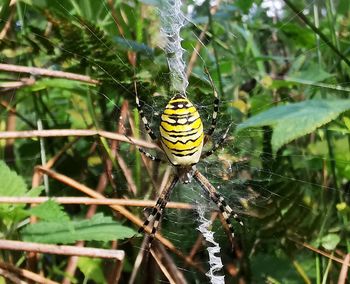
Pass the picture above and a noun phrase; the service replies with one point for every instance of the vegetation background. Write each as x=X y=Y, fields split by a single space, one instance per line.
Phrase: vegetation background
x=282 y=72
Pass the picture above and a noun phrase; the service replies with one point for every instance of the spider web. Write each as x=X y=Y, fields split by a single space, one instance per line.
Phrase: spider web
x=270 y=200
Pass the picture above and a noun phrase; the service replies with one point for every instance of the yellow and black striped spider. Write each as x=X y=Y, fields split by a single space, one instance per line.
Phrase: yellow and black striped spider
x=182 y=139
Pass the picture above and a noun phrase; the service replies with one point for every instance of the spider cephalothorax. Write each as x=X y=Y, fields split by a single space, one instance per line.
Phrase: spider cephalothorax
x=182 y=139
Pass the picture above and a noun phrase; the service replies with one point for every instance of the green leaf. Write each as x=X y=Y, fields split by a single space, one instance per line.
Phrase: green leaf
x=347 y=122
x=92 y=269
x=49 y=211
x=313 y=74
x=35 y=191
x=330 y=241
x=244 y=5
x=295 y=120
x=98 y=228
x=134 y=46
x=43 y=84
x=11 y=184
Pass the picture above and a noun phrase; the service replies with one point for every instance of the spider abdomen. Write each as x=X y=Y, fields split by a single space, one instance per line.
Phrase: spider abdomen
x=181 y=131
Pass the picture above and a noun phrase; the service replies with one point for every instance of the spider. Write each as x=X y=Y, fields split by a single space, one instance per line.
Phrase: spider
x=182 y=139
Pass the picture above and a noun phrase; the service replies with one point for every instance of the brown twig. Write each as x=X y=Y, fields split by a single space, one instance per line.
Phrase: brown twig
x=93 y=201
x=167 y=265
x=337 y=259
x=47 y=73
x=26 y=274
x=74 y=132
x=61 y=250
x=18 y=84
x=72 y=262
x=344 y=270
x=8 y=19
x=138 y=261
x=10 y=276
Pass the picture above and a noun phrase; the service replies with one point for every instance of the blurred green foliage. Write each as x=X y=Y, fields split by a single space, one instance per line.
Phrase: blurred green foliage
x=284 y=88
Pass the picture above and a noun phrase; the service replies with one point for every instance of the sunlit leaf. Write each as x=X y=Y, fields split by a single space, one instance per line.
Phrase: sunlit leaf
x=92 y=269
x=50 y=211
x=313 y=74
x=11 y=184
x=98 y=228
x=330 y=241
x=295 y=120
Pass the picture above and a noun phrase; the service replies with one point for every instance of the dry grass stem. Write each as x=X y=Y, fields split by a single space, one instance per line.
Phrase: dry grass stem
x=62 y=250
x=36 y=278
x=75 y=132
x=48 y=73
x=93 y=201
x=337 y=259
x=167 y=265
x=12 y=277
x=344 y=270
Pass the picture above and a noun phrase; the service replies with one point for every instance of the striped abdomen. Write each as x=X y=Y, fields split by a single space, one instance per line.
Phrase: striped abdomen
x=181 y=131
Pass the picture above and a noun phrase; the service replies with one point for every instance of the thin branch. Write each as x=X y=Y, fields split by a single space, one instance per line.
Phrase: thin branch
x=26 y=274
x=47 y=72
x=93 y=201
x=167 y=265
x=337 y=259
x=18 y=84
x=62 y=250
x=344 y=270
x=10 y=276
x=75 y=132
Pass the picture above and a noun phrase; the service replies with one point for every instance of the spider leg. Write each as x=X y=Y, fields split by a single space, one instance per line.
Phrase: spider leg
x=148 y=128
x=149 y=156
x=216 y=106
x=156 y=223
x=224 y=208
x=158 y=209
x=217 y=144
x=142 y=151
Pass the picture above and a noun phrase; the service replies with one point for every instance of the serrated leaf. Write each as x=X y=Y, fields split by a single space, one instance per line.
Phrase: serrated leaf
x=98 y=228
x=11 y=184
x=36 y=191
x=92 y=269
x=49 y=211
x=295 y=120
